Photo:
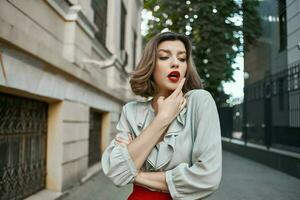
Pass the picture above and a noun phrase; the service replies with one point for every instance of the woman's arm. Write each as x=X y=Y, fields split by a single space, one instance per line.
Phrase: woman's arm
x=140 y=147
x=121 y=163
x=154 y=180
x=203 y=177
x=168 y=109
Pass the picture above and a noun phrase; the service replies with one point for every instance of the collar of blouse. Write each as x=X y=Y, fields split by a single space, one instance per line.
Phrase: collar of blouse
x=163 y=151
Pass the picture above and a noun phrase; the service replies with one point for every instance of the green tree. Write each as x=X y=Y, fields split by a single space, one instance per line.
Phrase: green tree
x=214 y=30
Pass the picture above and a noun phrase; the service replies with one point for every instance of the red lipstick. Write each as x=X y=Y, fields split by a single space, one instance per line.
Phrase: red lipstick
x=174 y=76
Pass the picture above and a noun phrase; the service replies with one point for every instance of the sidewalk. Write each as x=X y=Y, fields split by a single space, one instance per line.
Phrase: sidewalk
x=242 y=179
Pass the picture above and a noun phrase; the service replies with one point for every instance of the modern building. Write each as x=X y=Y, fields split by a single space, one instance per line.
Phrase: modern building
x=64 y=68
x=271 y=106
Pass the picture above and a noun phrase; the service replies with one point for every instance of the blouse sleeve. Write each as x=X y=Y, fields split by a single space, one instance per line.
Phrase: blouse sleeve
x=116 y=162
x=203 y=176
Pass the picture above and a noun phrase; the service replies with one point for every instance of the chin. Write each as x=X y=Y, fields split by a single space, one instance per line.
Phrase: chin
x=171 y=87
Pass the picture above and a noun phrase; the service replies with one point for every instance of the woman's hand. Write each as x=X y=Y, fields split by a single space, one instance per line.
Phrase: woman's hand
x=123 y=141
x=152 y=180
x=170 y=107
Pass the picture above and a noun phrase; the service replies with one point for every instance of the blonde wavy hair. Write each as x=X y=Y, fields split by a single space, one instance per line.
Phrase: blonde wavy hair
x=141 y=79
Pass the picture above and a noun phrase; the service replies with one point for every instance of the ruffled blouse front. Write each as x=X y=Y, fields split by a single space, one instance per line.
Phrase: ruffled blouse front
x=162 y=153
x=190 y=152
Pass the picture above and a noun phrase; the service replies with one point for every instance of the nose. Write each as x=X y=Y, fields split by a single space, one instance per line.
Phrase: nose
x=175 y=63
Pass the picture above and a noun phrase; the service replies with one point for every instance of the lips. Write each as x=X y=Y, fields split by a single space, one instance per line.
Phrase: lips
x=174 y=76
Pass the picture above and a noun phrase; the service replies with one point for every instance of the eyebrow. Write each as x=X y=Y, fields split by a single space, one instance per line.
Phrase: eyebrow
x=168 y=51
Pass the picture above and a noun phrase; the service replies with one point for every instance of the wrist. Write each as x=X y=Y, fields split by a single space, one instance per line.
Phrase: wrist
x=162 y=120
x=139 y=178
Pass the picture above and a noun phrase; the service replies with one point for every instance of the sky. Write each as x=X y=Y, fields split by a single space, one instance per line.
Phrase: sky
x=235 y=89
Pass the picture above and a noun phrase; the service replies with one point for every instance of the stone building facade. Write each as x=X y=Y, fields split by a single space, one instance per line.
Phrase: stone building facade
x=64 y=68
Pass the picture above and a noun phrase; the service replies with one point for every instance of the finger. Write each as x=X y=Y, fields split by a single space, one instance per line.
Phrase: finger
x=183 y=104
x=178 y=89
x=119 y=143
x=182 y=100
x=185 y=101
x=121 y=140
x=130 y=137
x=180 y=95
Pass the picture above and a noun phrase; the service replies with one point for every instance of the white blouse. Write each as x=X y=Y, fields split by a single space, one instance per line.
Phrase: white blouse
x=190 y=153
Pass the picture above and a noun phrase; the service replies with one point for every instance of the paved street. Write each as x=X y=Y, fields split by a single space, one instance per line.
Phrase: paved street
x=242 y=179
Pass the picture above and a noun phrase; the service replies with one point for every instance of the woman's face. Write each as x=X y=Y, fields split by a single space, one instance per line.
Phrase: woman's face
x=171 y=66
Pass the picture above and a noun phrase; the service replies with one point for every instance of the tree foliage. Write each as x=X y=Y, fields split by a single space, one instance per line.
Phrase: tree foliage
x=216 y=35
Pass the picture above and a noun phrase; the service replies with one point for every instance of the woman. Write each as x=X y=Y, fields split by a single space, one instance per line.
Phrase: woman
x=168 y=146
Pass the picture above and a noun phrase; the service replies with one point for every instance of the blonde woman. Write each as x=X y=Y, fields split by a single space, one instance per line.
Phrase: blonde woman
x=168 y=146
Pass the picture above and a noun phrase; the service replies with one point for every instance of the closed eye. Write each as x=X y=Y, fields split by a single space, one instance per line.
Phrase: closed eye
x=182 y=59
x=163 y=57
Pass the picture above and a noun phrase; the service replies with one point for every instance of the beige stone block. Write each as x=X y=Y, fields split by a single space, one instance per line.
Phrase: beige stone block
x=27 y=32
x=75 y=112
x=75 y=150
x=69 y=32
x=69 y=39
x=43 y=15
x=53 y=85
x=80 y=55
x=68 y=52
x=105 y=131
x=75 y=131
x=82 y=167
x=21 y=72
x=73 y=172
x=69 y=175
x=54 y=148
x=82 y=41
x=115 y=116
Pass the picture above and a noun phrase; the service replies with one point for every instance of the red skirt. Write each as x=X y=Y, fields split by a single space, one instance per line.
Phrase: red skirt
x=141 y=193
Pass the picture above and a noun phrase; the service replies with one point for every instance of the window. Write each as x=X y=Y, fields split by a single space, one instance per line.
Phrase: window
x=100 y=13
x=94 y=138
x=282 y=25
x=123 y=26
x=134 y=49
x=23 y=141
